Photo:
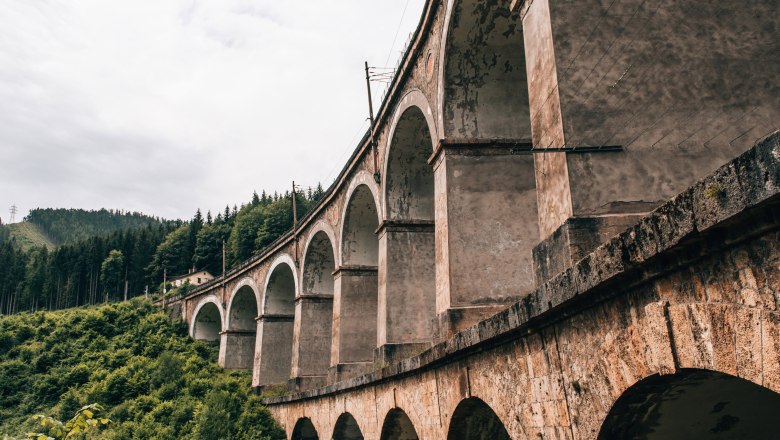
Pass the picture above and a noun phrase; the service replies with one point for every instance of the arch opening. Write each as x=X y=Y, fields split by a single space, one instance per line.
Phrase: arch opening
x=280 y=291
x=359 y=245
x=397 y=426
x=304 y=430
x=208 y=323
x=407 y=269
x=356 y=288
x=409 y=177
x=243 y=310
x=346 y=428
x=473 y=419
x=318 y=266
x=273 y=355
x=698 y=404
x=314 y=316
x=485 y=82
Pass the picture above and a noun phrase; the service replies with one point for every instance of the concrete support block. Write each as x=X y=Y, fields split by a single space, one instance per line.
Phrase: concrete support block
x=312 y=335
x=486 y=228
x=388 y=354
x=457 y=319
x=273 y=351
x=407 y=287
x=344 y=371
x=303 y=383
x=354 y=314
x=575 y=239
x=237 y=349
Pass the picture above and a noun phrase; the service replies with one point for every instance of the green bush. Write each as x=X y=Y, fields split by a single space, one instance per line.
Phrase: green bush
x=154 y=381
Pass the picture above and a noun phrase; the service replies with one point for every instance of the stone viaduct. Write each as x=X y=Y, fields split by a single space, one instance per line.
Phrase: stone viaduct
x=564 y=223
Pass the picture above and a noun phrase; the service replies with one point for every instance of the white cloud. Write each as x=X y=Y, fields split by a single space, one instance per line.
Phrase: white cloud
x=167 y=106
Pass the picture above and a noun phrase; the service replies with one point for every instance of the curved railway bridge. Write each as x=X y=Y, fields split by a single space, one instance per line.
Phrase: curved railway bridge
x=562 y=224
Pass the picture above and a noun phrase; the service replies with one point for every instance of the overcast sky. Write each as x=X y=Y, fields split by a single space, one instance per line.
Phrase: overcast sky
x=168 y=106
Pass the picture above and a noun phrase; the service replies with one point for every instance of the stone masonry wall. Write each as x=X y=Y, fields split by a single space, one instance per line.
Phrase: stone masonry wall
x=696 y=284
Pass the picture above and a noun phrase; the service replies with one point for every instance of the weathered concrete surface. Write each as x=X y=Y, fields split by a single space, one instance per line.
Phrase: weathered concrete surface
x=693 y=285
x=575 y=239
x=354 y=317
x=311 y=341
x=684 y=86
x=237 y=349
x=483 y=71
x=486 y=223
x=407 y=289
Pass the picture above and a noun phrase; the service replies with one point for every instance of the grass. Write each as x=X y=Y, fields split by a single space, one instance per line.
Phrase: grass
x=28 y=235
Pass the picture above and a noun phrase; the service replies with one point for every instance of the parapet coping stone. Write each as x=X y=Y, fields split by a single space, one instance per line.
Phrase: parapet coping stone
x=670 y=236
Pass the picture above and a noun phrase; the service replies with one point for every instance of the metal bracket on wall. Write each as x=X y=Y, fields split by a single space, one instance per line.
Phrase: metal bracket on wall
x=581 y=150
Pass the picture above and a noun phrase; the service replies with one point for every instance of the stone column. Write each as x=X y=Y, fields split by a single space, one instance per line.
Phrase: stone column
x=311 y=341
x=486 y=227
x=407 y=289
x=273 y=350
x=354 y=321
x=237 y=349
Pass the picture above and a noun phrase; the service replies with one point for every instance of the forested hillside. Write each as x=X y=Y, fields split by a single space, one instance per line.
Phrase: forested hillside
x=245 y=232
x=64 y=226
x=152 y=379
x=75 y=274
x=105 y=267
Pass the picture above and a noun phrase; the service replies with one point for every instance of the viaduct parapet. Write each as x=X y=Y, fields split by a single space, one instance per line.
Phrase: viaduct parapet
x=563 y=224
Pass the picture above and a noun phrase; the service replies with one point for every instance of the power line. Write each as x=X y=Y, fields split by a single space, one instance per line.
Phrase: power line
x=398 y=29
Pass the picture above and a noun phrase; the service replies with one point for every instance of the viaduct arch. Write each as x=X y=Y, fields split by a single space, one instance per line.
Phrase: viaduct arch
x=207 y=320
x=237 y=345
x=407 y=274
x=273 y=352
x=313 y=330
x=356 y=282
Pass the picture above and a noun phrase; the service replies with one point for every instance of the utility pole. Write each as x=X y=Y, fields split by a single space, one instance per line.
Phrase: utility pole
x=295 y=207
x=165 y=279
x=295 y=221
x=223 y=260
x=371 y=119
x=14 y=210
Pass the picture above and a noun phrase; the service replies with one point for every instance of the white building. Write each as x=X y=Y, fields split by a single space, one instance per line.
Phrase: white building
x=195 y=278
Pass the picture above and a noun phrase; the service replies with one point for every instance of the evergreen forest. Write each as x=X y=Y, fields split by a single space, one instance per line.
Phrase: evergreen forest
x=106 y=256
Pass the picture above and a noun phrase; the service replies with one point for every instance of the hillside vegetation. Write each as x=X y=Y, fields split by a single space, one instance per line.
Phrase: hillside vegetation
x=109 y=266
x=66 y=226
x=154 y=381
x=27 y=236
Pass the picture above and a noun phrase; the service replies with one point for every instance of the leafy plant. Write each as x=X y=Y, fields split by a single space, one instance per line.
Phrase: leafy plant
x=81 y=423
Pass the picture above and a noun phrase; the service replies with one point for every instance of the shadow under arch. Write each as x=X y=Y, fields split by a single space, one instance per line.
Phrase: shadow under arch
x=273 y=355
x=473 y=419
x=304 y=430
x=237 y=349
x=397 y=426
x=483 y=85
x=693 y=404
x=207 y=320
x=346 y=428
